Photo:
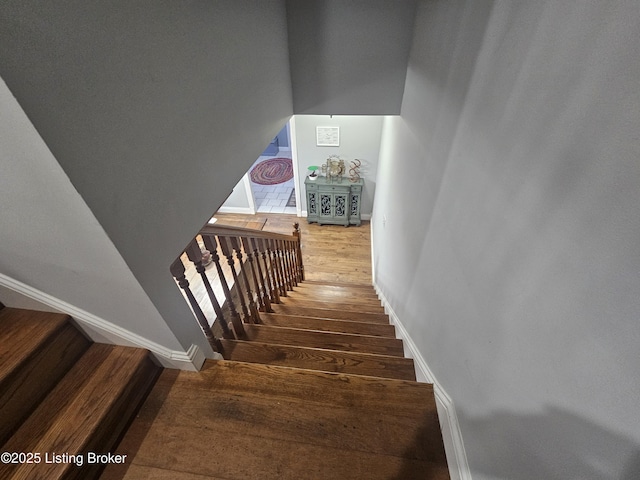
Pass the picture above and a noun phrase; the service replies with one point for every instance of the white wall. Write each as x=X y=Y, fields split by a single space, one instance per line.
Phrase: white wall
x=50 y=240
x=511 y=251
x=154 y=109
x=237 y=201
x=349 y=58
x=359 y=138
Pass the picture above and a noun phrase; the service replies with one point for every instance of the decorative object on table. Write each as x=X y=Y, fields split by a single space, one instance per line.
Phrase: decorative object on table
x=333 y=204
x=328 y=136
x=334 y=168
x=272 y=171
x=313 y=169
x=354 y=171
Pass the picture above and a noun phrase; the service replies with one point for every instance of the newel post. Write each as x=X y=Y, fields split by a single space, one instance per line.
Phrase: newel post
x=298 y=235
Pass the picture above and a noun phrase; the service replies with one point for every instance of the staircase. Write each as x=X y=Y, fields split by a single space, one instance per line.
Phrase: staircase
x=329 y=396
x=311 y=384
x=62 y=396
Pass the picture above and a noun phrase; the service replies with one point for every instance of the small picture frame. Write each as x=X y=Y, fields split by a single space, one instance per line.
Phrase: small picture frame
x=328 y=136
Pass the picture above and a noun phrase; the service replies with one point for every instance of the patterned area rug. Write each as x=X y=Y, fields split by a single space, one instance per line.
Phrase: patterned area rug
x=273 y=171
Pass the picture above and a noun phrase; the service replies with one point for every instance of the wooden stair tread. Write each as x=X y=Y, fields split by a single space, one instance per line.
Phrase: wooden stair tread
x=406 y=396
x=86 y=411
x=327 y=425
x=313 y=303
x=273 y=413
x=143 y=472
x=319 y=359
x=339 y=284
x=30 y=340
x=326 y=340
x=247 y=456
x=327 y=324
x=336 y=293
x=309 y=296
x=22 y=332
x=329 y=313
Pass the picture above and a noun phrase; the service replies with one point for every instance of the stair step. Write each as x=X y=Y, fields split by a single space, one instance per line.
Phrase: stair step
x=339 y=284
x=295 y=423
x=328 y=325
x=310 y=295
x=406 y=396
x=295 y=301
x=333 y=292
x=86 y=412
x=327 y=340
x=319 y=359
x=30 y=340
x=330 y=313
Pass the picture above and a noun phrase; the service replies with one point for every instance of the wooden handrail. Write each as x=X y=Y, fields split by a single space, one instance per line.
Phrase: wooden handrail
x=262 y=266
x=227 y=231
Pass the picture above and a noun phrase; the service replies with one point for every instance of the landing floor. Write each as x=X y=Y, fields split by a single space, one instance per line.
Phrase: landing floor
x=331 y=253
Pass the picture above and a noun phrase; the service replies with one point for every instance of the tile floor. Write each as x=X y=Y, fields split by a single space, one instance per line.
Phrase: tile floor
x=273 y=198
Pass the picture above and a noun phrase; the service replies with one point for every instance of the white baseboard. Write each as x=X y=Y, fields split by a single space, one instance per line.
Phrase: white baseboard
x=364 y=216
x=451 y=434
x=241 y=210
x=103 y=331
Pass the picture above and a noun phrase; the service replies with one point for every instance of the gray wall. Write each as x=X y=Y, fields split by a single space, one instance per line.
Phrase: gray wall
x=146 y=106
x=283 y=138
x=511 y=247
x=359 y=138
x=50 y=240
x=349 y=56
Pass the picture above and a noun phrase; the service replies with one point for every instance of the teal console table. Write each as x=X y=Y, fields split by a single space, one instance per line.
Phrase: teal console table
x=333 y=203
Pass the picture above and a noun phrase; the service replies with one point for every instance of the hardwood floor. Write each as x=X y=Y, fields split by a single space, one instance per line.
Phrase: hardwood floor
x=62 y=394
x=331 y=253
x=246 y=421
x=319 y=390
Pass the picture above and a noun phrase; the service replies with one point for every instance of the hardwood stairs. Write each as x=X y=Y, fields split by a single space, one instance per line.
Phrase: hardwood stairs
x=318 y=389
x=62 y=395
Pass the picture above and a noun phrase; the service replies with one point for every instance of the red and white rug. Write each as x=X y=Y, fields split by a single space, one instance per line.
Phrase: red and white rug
x=272 y=171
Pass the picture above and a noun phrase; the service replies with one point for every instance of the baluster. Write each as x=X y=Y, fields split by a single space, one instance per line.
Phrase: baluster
x=255 y=316
x=283 y=270
x=287 y=263
x=292 y=262
x=195 y=255
x=285 y=267
x=253 y=245
x=269 y=270
x=298 y=235
x=246 y=245
x=227 y=251
x=278 y=267
x=177 y=270
x=211 y=244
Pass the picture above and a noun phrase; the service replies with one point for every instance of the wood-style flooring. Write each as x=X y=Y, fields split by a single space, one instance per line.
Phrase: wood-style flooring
x=246 y=421
x=330 y=253
x=320 y=389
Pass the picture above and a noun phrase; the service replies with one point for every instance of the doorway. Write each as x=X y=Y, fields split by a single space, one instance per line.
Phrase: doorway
x=272 y=177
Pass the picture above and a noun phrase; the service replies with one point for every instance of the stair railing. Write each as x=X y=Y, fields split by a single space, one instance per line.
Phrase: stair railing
x=260 y=268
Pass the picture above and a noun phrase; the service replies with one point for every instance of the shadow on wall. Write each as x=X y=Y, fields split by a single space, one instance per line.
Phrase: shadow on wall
x=556 y=444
